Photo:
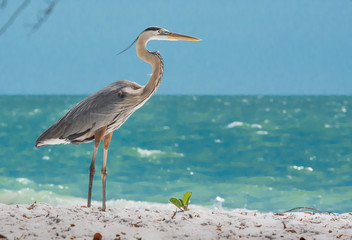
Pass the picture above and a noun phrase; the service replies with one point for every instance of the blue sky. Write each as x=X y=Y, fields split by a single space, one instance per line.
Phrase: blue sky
x=249 y=47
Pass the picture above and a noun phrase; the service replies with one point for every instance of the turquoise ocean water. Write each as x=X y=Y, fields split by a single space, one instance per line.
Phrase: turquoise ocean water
x=268 y=153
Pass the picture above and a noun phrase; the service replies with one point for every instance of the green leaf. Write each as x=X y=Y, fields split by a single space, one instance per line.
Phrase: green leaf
x=186 y=198
x=176 y=202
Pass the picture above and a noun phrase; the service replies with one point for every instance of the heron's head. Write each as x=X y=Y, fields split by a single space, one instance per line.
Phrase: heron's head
x=157 y=33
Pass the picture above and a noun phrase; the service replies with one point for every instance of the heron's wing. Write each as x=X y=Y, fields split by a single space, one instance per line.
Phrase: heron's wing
x=92 y=113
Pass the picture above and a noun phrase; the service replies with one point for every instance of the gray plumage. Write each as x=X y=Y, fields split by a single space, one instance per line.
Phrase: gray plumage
x=98 y=115
x=109 y=107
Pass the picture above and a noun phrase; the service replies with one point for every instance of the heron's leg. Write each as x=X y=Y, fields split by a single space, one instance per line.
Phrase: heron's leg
x=91 y=174
x=106 y=142
x=97 y=138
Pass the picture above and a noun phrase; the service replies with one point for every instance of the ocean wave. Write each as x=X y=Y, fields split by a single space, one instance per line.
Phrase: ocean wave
x=262 y=132
x=299 y=168
x=148 y=153
x=256 y=125
x=24 y=181
x=34 y=112
x=242 y=124
x=155 y=153
x=29 y=196
x=235 y=124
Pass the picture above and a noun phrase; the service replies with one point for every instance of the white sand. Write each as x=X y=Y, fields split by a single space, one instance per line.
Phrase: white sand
x=44 y=221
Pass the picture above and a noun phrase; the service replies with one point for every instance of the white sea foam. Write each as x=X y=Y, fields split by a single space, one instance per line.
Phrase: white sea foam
x=148 y=153
x=219 y=199
x=235 y=124
x=155 y=153
x=297 y=110
x=28 y=196
x=24 y=181
x=299 y=168
x=253 y=125
x=34 y=112
x=262 y=132
x=218 y=203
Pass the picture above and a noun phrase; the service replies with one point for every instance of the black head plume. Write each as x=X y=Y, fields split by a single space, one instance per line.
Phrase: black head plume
x=128 y=47
x=146 y=30
x=152 y=29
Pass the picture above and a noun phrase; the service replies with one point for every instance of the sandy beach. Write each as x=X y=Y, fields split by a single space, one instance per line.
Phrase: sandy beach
x=44 y=221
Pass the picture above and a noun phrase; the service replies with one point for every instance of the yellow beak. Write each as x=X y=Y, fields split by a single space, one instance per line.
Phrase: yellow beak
x=176 y=36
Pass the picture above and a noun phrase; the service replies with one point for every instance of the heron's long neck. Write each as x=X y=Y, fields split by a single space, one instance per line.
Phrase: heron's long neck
x=154 y=59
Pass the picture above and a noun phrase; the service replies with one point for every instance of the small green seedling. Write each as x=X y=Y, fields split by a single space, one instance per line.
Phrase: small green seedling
x=182 y=204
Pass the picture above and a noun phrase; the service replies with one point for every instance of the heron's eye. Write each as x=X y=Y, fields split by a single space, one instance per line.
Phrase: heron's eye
x=160 y=31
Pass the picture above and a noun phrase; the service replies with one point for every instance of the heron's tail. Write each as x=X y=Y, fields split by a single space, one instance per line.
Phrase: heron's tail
x=50 y=137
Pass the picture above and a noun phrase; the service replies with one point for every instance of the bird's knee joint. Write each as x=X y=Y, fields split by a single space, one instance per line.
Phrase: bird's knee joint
x=104 y=172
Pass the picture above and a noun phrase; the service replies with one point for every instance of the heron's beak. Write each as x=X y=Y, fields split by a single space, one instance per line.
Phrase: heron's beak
x=176 y=36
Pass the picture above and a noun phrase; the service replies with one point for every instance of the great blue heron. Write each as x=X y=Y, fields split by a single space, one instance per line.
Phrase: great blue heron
x=98 y=115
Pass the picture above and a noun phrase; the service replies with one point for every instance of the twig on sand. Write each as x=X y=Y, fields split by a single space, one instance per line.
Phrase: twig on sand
x=32 y=206
x=314 y=209
x=173 y=216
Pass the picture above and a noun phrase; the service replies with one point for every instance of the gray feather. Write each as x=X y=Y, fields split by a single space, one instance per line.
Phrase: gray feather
x=94 y=112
